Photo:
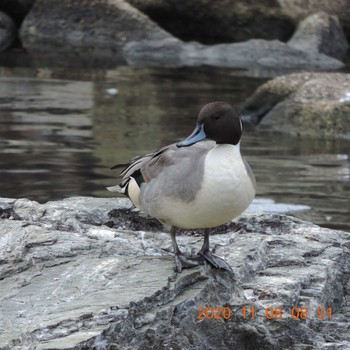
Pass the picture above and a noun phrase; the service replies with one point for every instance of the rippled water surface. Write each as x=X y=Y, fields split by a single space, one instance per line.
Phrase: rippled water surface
x=61 y=129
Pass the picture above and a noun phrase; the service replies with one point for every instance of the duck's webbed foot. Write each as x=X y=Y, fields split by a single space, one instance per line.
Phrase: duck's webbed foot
x=215 y=260
x=212 y=258
x=183 y=261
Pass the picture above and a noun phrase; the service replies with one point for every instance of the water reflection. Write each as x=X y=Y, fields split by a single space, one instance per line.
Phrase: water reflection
x=304 y=171
x=60 y=130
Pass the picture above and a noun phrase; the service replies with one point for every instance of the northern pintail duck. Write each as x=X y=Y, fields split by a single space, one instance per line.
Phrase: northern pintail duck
x=201 y=182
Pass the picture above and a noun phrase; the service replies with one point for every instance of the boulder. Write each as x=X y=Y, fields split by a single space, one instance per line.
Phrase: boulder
x=298 y=10
x=258 y=57
x=90 y=24
x=312 y=104
x=320 y=33
x=91 y=273
x=211 y=22
x=104 y=27
x=8 y=31
x=316 y=44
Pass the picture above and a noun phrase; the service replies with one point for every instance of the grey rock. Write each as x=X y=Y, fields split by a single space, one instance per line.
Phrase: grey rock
x=83 y=273
x=298 y=10
x=251 y=55
x=320 y=33
x=8 y=31
x=88 y=24
x=212 y=22
x=312 y=104
x=108 y=27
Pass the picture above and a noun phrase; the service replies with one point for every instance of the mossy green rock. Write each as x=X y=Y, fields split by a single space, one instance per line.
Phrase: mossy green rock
x=313 y=104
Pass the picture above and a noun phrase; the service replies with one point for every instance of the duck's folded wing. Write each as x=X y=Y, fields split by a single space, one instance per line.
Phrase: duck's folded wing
x=172 y=159
x=141 y=168
x=146 y=168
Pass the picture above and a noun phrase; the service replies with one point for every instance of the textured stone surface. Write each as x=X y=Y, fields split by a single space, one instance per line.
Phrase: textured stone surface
x=251 y=55
x=322 y=33
x=106 y=27
x=315 y=104
x=317 y=38
x=298 y=10
x=222 y=21
x=231 y=21
x=102 y=25
x=8 y=31
x=85 y=273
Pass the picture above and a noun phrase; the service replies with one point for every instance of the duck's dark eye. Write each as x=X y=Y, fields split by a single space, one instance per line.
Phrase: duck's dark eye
x=216 y=116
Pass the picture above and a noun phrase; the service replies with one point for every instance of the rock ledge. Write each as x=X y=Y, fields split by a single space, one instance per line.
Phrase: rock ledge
x=75 y=274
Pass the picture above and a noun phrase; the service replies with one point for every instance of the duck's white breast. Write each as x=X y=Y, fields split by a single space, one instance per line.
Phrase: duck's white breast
x=225 y=192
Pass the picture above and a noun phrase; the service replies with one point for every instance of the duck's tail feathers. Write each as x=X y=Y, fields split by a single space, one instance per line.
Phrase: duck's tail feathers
x=117 y=166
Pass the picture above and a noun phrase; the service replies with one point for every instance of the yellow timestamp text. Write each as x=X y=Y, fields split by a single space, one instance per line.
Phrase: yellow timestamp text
x=297 y=313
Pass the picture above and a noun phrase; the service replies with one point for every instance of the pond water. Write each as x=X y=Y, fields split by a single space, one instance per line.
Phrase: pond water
x=62 y=127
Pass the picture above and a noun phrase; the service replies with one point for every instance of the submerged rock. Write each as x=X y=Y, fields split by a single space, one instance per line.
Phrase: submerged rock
x=77 y=274
x=313 y=104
